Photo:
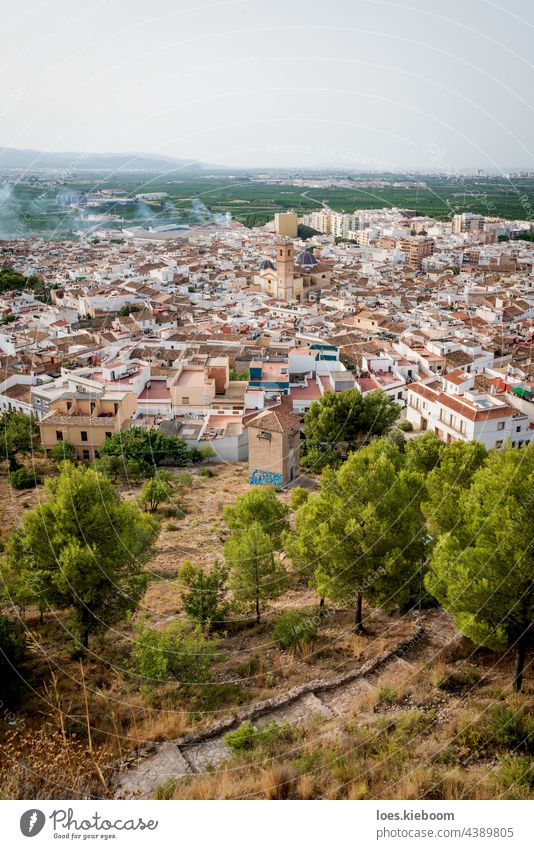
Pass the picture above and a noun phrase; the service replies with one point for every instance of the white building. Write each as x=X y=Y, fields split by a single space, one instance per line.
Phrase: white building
x=455 y=410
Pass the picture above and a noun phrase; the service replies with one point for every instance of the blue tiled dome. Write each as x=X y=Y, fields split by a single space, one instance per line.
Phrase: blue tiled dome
x=306 y=259
x=266 y=263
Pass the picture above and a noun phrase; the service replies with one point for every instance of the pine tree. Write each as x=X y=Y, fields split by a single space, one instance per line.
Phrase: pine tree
x=482 y=571
x=255 y=576
x=83 y=548
x=447 y=482
x=260 y=504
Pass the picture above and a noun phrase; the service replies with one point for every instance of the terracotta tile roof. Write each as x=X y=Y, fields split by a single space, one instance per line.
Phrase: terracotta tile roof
x=471 y=412
x=423 y=389
x=277 y=421
x=78 y=420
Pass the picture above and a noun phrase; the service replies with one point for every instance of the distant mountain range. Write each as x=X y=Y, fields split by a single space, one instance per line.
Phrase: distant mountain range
x=34 y=160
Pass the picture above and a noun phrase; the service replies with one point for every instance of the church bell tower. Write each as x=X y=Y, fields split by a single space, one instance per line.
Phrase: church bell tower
x=285 y=269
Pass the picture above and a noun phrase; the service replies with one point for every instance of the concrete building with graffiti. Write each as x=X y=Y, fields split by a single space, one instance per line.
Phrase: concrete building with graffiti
x=274 y=448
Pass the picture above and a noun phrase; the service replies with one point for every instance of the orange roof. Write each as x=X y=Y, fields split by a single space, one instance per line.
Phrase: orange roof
x=469 y=411
x=277 y=421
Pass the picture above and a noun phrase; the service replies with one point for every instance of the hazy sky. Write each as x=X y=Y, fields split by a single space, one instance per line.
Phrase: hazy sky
x=361 y=83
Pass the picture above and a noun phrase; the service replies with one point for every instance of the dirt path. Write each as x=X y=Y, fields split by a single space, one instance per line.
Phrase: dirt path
x=140 y=774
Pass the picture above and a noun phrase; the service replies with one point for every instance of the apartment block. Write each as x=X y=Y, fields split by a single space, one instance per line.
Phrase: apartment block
x=85 y=413
x=415 y=249
x=286 y=224
x=467 y=222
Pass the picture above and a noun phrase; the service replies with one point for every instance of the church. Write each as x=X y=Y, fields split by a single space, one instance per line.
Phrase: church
x=291 y=278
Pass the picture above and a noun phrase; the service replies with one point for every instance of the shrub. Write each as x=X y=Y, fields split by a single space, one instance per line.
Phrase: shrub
x=317 y=458
x=24 y=479
x=176 y=652
x=460 y=680
x=248 y=736
x=505 y=726
x=405 y=426
x=293 y=629
x=12 y=645
x=157 y=490
x=206 y=473
x=184 y=480
x=214 y=696
x=62 y=451
x=512 y=727
x=517 y=775
x=115 y=466
x=250 y=668
x=172 y=526
x=299 y=496
x=470 y=733
x=388 y=696
x=414 y=723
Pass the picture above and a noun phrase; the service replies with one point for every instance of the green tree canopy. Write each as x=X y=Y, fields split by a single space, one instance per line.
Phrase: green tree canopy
x=423 y=453
x=147 y=445
x=309 y=544
x=62 y=450
x=255 y=575
x=128 y=309
x=259 y=504
x=11 y=280
x=482 y=570
x=157 y=491
x=12 y=646
x=83 y=548
x=363 y=535
x=204 y=593
x=19 y=434
x=447 y=482
x=350 y=417
x=178 y=652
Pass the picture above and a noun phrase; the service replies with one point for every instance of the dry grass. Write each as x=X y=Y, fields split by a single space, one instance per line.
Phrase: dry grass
x=45 y=764
x=408 y=750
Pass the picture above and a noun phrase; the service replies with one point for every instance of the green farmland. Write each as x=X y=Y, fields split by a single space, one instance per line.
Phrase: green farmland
x=26 y=210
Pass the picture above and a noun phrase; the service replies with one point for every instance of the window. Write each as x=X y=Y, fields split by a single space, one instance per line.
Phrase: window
x=59 y=436
x=84 y=435
x=518 y=429
x=85 y=454
x=108 y=434
x=498 y=444
x=500 y=425
x=185 y=399
x=264 y=434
